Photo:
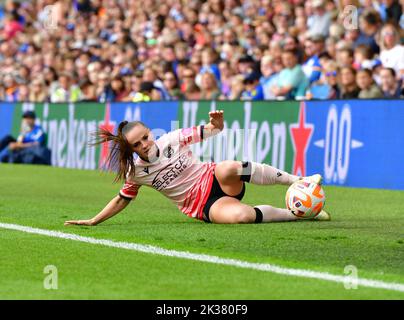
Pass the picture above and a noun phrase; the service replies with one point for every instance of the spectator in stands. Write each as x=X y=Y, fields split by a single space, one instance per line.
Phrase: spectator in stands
x=147 y=92
x=168 y=55
x=331 y=74
x=22 y=75
x=50 y=77
x=10 y=88
x=208 y=59
x=142 y=56
x=237 y=87
x=367 y=86
x=275 y=49
x=393 y=11
x=192 y=92
x=390 y=86
x=196 y=64
x=170 y=82
x=369 y=24
x=345 y=57
x=23 y=93
x=292 y=43
x=118 y=88
x=29 y=147
x=269 y=76
x=187 y=79
x=135 y=82
x=104 y=90
x=82 y=70
x=349 y=88
x=181 y=50
x=351 y=35
x=282 y=20
x=362 y=56
x=292 y=81
x=314 y=46
x=324 y=59
x=209 y=87
x=226 y=75
x=88 y=92
x=319 y=89
x=94 y=38
x=253 y=88
x=66 y=91
x=392 y=52
x=401 y=24
x=337 y=31
x=150 y=75
x=376 y=66
x=320 y=20
x=2 y=94
x=330 y=47
x=245 y=64
x=11 y=26
x=126 y=75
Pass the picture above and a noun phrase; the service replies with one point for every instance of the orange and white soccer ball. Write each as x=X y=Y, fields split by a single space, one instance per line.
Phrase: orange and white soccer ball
x=305 y=199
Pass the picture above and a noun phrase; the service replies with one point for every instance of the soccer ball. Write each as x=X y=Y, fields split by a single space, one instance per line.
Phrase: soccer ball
x=305 y=199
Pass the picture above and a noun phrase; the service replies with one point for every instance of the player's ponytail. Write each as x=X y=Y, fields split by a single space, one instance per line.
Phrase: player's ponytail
x=120 y=157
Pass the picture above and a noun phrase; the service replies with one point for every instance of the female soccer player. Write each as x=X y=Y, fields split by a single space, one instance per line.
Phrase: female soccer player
x=205 y=191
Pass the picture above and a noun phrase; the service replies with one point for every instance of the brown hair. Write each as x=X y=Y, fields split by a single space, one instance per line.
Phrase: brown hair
x=367 y=71
x=120 y=155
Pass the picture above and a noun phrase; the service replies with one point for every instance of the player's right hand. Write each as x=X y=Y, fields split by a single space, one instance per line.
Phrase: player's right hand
x=80 y=222
x=216 y=119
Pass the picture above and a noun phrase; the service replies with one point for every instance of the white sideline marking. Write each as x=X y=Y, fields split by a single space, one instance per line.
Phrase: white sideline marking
x=210 y=259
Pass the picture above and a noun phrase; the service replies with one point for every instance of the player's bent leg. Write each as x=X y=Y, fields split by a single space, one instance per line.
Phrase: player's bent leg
x=264 y=174
x=227 y=174
x=230 y=210
x=230 y=172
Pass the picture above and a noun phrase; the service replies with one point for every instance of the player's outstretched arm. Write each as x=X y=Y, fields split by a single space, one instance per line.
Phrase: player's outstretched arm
x=215 y=124
x=115 y=206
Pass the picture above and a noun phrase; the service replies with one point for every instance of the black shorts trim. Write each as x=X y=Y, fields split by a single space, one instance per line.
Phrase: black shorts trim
x=125 y=198
x=215 y=194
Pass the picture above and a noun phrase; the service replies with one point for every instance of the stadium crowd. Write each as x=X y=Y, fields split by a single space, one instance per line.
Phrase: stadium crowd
x=122 y=50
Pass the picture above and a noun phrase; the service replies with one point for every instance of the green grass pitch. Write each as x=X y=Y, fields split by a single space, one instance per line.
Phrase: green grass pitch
x=367 y=231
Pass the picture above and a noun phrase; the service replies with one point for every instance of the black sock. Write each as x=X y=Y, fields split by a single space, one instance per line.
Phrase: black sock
x=259 y=216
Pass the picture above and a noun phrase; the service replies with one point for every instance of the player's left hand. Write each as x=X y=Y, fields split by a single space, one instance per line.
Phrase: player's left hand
x=216 y=119
x=80 y=222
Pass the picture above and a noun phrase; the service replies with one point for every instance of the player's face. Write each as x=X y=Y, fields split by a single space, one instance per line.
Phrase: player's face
x=141 y=140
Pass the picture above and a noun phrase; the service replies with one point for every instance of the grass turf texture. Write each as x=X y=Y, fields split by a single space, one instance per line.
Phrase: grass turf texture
x=366 y=231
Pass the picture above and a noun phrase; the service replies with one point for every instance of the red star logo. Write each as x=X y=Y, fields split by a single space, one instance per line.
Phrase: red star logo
x=110 y=126
x=301 y=133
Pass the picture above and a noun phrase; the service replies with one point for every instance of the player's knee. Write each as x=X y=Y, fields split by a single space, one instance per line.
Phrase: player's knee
x=228 y=168
x=243 y=216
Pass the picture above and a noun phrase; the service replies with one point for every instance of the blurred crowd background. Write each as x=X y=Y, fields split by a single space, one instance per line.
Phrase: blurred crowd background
x=142 y=50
